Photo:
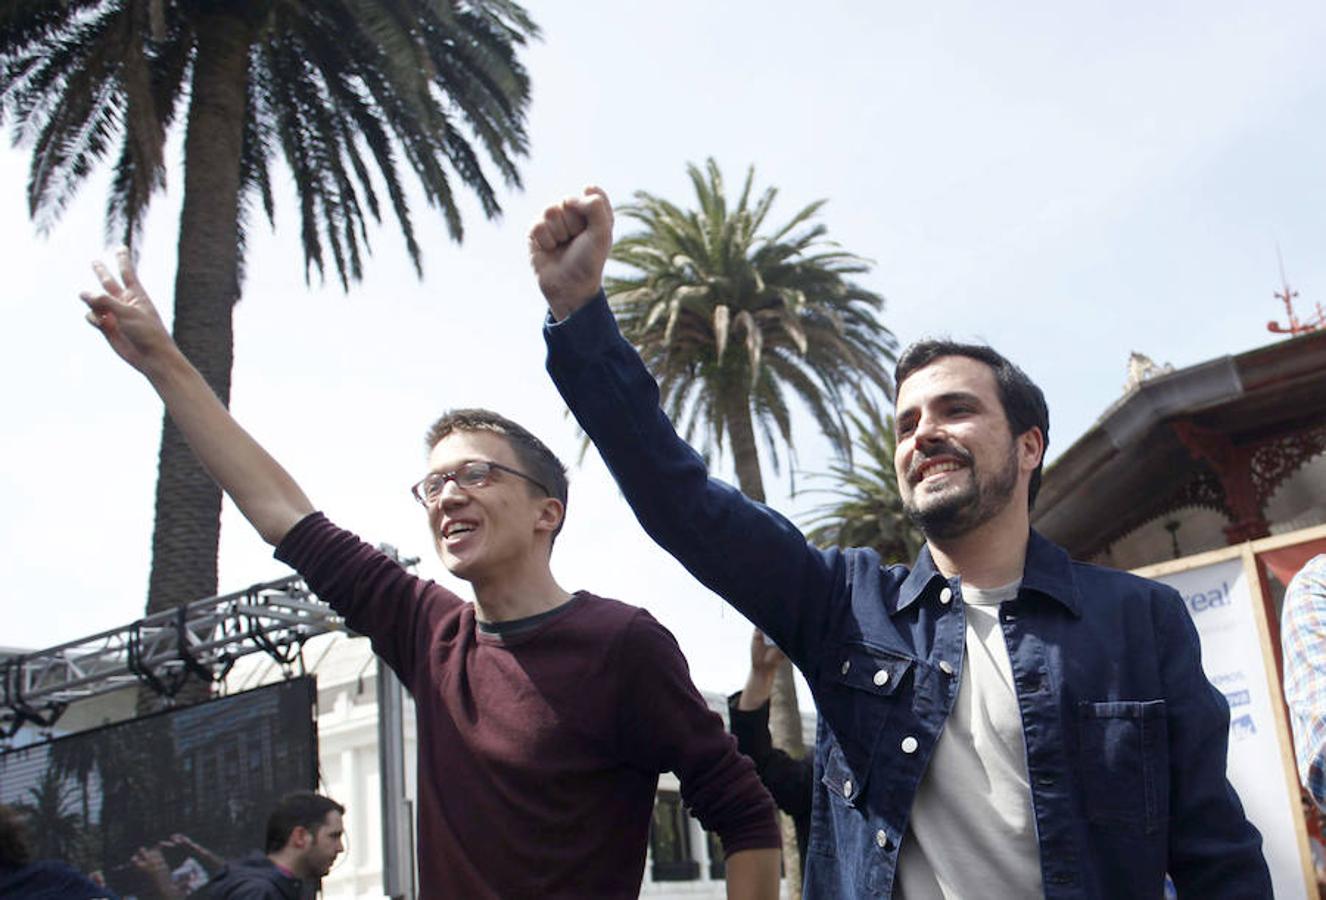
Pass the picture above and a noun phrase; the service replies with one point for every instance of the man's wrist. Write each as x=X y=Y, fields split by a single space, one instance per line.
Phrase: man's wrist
x=565 y=303
x=167 y=364
x=756 y=693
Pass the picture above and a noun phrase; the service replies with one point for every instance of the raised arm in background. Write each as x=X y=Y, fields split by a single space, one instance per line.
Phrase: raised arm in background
x=264 y=492
x=789 y=780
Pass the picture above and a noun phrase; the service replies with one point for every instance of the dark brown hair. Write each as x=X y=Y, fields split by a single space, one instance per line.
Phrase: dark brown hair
x=537 y=461
x=15 y=845
x=1023 y=402
x=294 y=809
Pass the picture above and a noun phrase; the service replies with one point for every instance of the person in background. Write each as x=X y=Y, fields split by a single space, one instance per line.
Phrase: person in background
x=158 y=879
x=305 y=834
x=790 y=781
x=45 y=879
x=1303 y=642
x=1312 y=820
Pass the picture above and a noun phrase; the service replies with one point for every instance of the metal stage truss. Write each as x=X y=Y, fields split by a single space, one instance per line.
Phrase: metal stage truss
x=201 y=639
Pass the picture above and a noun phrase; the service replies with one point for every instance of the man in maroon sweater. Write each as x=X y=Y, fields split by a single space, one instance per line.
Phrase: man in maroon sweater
x=544 y=717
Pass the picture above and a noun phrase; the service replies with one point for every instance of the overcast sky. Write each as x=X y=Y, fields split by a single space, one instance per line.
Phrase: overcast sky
x=1068 y=182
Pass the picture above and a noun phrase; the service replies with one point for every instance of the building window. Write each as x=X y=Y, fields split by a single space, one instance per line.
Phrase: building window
x=717 y=861
x=670 y=842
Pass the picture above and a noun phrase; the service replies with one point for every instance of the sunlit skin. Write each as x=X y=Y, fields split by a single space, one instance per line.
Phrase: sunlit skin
x=959 y=463
x=498 y=537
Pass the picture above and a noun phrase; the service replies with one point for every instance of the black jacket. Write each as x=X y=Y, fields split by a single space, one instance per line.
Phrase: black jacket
x=788 y=780
x=254 y=877
x=49 y=878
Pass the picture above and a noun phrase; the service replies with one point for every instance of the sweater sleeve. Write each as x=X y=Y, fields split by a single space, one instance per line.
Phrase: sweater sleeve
x=378 y=598
x=667 y=726
x=789 y=780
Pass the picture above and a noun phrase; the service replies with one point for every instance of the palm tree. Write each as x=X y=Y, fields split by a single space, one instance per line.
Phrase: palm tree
x=731 y=321
x=345 y=90
x=864 y=508
x=53 y=824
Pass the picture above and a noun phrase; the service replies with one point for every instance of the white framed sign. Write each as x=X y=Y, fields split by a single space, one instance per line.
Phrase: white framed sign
x=1224 y=593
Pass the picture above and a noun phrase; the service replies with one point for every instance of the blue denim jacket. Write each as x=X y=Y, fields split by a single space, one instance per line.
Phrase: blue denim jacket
x=1126 y=739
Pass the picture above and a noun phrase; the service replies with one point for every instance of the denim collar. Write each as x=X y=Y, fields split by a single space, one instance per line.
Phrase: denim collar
x=1048 y=571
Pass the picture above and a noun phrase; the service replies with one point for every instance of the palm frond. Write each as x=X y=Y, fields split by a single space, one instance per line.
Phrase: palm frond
x=709 y=296
x=862 y=506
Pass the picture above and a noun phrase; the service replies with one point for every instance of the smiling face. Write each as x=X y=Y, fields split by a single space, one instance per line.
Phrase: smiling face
x=958 y=464
x=504 y=525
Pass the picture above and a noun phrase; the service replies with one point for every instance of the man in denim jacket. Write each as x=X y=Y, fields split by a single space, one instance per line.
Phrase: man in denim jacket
x=999 y=721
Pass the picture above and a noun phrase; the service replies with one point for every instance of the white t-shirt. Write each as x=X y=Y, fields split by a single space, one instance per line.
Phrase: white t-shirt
x=973 y=830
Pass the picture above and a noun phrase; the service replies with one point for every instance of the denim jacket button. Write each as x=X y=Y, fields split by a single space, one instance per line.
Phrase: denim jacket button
x=882 y=840
x=946 y=667
x=882 y=677
x=909 y=744
x=847 y=664
x=847 y=788
x=945 y=595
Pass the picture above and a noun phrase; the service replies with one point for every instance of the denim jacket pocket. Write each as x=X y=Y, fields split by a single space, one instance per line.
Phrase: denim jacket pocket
x=840 y=777
x=1123 y=747
x=863 y=688
x=844 y=784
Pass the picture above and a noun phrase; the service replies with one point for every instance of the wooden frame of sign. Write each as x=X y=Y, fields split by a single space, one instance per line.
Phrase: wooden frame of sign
x=1252 y=572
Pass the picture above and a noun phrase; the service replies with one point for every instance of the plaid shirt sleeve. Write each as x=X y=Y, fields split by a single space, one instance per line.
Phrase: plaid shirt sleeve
x=1303 y=639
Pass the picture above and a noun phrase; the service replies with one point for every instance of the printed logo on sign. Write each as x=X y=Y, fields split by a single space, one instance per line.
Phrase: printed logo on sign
x=1238 y=698
x=1242 y=727
x=1201 y=601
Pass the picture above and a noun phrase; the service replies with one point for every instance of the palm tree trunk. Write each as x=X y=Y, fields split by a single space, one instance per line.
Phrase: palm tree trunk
x=784 y=711
x=188 y=503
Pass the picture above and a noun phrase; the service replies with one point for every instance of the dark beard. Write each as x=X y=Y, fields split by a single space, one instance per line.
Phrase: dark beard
x=964 y=511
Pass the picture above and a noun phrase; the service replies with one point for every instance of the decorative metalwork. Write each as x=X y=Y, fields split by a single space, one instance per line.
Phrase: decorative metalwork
x=1287 y=296
x=1202 y=491
x=1296 y=326
x=1269 y=462
x=1275 y=460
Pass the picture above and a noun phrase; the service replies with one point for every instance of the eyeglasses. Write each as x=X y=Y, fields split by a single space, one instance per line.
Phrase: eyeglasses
x=474 y=474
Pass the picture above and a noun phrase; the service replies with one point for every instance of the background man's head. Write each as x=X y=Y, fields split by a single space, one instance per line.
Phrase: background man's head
x=522 y=502
x=15 y=844
x=969 y=423
x=304 y=833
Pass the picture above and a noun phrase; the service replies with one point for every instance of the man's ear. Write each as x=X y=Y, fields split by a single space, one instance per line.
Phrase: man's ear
x=1031 y=449
x=299 y=838
x=551 y=514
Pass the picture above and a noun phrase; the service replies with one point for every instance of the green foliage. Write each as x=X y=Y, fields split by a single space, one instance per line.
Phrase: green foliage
x=731 y=318
x=864 y=508
x=341 y=90
x=51 y=819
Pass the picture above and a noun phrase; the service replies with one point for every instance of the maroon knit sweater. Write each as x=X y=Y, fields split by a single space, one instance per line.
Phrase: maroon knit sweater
x=539 y=753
